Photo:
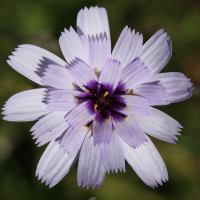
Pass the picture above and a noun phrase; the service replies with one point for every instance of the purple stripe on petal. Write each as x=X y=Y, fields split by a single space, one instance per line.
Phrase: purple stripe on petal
x=102 y=129
x=73 y=139
x=159 y=125
x=134 y=74
x=91 y=171
x=147 y=163
x=129 y=131
x=128 y=46
x=57 y=77
x=63 y=100
x=112 y=154
x=154 y=92
x=100 y=51
x=81 y=115
x=82 y=74
x=110 y=75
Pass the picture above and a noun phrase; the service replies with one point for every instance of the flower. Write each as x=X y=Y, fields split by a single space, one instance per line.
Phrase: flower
x=97 y=106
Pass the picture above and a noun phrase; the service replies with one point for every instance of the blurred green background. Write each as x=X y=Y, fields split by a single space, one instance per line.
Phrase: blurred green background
x=40 y=22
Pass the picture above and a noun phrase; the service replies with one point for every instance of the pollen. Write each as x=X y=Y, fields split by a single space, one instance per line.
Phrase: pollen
x=87 y=91
x=76 y=99
x=106 y=93
x=107 y=120
x=127 y=107
x=42 y=94
x=96 y=72
x=126 y=118
x=130 y=92
x=95 y=107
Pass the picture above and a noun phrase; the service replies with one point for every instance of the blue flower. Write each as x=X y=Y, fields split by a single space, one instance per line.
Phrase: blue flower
x=96 y=108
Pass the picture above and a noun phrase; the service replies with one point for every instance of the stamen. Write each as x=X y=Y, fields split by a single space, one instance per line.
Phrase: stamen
x=130 y=92
x=126 y=118
x=95 y=107
x=127 y=108
x=107 y=120
x=106 y=93
x=76 y=86
x=76 y=99
x=96 y=72
x=87 y=91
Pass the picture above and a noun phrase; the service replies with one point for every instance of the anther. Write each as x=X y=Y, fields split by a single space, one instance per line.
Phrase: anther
x=95 y=107
x=106 y=93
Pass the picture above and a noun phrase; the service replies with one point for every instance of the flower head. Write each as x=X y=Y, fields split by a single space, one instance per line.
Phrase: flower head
x=97 y=106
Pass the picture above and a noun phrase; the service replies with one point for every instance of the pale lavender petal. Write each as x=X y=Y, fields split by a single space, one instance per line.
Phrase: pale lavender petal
x=159 y=125
x=102 y=130
x=82 y=75
x=25 y=106
x=63 y=100
x=100 y=51
x=93 y=21
x=50 y=127
x=30 y=60
x=110 y=75
x=54 y=164
x=134 y=74
x=112 y=154
x=154 y=92
x=147 y=163
x=57 y=77
x=135 y=105
x=177 y=86
x=129 y=131
x=72 y=46
x=156 y=52
x=81 y=115
x=128 y=46
x=91 y=171
x=73 y=139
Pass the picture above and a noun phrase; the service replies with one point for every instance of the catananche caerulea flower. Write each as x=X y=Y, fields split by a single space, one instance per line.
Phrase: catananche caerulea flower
x=96 y=108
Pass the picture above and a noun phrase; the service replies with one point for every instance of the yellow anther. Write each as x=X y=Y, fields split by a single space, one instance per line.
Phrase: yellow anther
x=42 y=94
x=130 y=92
x=87 y=91
x=126 y=118
x=107 y=120
x=127 y=108
x=106 y=93
x=96 y=72
x=95 y=107
x=76 y=99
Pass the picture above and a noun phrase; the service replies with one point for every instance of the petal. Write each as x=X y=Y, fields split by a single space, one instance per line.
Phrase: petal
x=81 y=115
x=25 y=106
x=154 y=92
x=135 y=105
x=110 y=75
x=134 y=74
x=54 y=164
x=82 y=75
x=177 y=86
x=50 y=127
x=102 y=130
x=72 y=47
x=93 y=21
x=73 y=139
x=129 y=131
x=100 y=51
x=57 y=77
x=112 y=154
x=91 y=171
x=63 y=100
x=128 y=46
x=159 y=125
x=147 y=163
x=156 y=52
x=31 y=61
